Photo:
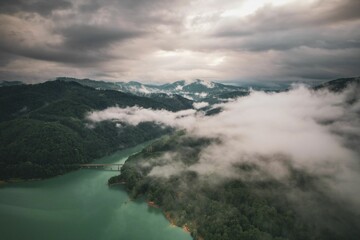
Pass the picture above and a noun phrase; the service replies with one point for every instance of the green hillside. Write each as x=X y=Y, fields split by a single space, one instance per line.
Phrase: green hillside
x=43 y=130
x=338 y=85
x=230 y=209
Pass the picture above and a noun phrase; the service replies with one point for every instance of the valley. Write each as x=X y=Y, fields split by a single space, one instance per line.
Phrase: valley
x=179 y=120
x=51 y=128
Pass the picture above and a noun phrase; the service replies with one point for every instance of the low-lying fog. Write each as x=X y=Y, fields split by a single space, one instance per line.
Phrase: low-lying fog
x=313 y=131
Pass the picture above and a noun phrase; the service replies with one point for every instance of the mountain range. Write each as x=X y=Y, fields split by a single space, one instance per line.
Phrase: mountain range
x=43 y=129
x=197 y=90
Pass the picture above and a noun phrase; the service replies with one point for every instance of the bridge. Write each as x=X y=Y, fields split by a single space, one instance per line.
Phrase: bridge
x=106 y=166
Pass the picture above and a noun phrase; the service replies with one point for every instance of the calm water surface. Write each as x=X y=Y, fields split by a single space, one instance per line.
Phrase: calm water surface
x=79 y=205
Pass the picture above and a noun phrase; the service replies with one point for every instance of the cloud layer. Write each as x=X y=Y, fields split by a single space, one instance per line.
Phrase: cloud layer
x=159 y=41
x=315 y=132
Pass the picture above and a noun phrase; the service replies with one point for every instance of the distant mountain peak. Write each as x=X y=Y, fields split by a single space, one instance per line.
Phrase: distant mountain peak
x=5 y=83
x=135 y=83
x=340 y=84
x=197 y=90
x=205 y=83
x=180 y=82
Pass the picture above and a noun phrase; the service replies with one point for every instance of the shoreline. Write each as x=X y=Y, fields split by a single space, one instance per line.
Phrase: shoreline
x=19 y=180
x=110 y=153
x=152 y=204
x=185 y=227
x=117 y=184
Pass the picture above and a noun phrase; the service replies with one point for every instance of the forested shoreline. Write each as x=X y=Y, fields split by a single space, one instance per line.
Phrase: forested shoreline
x=233 y=209
x=44 y=131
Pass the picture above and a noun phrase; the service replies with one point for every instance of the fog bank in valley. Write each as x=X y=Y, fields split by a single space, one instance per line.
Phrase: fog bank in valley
x=316 y=132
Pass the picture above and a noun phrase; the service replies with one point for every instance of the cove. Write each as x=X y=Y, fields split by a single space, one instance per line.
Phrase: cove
x=79 y=205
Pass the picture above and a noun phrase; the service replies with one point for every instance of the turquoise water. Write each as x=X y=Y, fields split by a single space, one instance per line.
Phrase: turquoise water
x=79 y=205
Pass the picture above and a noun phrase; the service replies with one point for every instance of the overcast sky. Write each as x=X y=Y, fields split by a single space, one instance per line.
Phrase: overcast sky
x=163 y=41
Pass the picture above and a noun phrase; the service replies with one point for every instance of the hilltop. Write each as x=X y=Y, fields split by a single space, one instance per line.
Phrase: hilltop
x=43 y=127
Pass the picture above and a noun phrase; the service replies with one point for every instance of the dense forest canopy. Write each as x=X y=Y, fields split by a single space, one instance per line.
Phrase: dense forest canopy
x=255 y=175
x=233 y=209
x=46 y=129
x=43 y=130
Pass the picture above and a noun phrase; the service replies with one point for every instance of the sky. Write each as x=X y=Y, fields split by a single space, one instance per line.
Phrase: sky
x=157 y=41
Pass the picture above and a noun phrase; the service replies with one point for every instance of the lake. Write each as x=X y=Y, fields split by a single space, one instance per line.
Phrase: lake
x=80 y=205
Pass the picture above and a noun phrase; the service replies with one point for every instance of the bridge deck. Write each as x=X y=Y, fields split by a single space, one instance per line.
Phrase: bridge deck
x=100 y=164
x=108 y=166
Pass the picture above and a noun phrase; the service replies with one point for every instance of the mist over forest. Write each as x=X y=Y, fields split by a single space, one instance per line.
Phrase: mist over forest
x=223 y=119
x=298 y=147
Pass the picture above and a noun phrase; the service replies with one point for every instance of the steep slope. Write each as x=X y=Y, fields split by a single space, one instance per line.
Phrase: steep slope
x=21 y=100
x=338 y=85
x=43 y=131
x=10 y=83
x=178 y=175
x=210 y=208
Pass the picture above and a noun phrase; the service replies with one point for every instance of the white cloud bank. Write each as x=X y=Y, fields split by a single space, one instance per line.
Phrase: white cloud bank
x=135 y=115
x=317 y=132
x=199 y=105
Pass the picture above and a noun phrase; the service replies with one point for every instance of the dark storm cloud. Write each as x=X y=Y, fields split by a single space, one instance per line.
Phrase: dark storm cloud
x=68 y=38
x=6 y=58
x=317 y=42
x=90 y=36
x=57 y=54
x=314 y=38
x=160 y=40
x=347 y=10
x=141 y=12
x=271 y=19
x=321 y=64
x=82 y=39
x=77 y=58
x=19 y=40
x=287 y=28
x=42 y=7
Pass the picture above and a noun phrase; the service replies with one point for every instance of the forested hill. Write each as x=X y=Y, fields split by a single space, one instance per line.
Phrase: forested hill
x=236 y=208
x=43 y=130
x=338 y=85
x=72 y=100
